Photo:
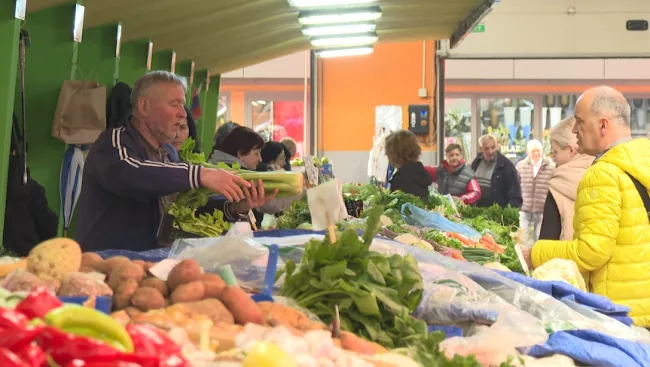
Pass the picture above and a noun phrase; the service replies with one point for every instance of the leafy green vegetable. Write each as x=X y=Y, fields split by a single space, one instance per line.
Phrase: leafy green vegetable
x=295 y=215
x=375 y=294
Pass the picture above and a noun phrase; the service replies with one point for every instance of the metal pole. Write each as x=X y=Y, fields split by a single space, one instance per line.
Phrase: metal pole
x=24 y=42
x=440 y=102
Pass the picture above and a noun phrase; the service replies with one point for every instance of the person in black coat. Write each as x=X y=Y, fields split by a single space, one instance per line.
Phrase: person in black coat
x=403 y=152
x=273 y=157
x=497 y=176
x=28 y=218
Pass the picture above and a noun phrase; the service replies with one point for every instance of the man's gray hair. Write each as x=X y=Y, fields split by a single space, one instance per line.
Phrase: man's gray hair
x=483 y=139
x=152 y=78
x=611 y=103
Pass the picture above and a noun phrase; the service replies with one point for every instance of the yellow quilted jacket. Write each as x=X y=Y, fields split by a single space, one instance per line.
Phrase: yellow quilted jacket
x=611 y=240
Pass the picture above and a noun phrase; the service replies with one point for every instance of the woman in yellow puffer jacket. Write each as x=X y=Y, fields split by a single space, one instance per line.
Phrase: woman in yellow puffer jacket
x=611 y=243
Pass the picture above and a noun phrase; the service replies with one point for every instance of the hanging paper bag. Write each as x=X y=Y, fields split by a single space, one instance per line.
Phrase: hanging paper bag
x=80 y=113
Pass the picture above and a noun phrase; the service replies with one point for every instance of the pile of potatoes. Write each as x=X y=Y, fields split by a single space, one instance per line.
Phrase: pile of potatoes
x=134 y=286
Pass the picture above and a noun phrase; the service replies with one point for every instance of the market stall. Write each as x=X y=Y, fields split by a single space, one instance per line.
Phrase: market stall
x=405 y=283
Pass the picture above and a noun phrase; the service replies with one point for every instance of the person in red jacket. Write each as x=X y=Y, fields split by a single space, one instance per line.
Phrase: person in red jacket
x=454 y=177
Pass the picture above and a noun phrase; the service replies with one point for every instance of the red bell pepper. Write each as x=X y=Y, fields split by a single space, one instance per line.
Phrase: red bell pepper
x=38 y=303
x=33 y=355
x=10 y=359
x=15 y=340
x=79 y=363
x=12 y=319
x=149 y=341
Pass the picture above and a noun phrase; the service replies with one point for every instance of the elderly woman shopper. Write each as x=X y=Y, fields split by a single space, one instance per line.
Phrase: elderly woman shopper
x=534 y=173
x=563 y=186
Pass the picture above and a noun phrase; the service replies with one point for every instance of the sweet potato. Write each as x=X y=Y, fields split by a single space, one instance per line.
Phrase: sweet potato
x=155 y=283
x=146 y=299
x=276 y=314
x=124 y=272
x=184 y=272
x=188 y=292
x=241 y=305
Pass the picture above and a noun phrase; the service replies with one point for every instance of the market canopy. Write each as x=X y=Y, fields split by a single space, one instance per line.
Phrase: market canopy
x=223 y=35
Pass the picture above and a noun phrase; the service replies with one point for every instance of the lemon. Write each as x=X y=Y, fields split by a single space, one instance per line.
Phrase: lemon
x=267 y=354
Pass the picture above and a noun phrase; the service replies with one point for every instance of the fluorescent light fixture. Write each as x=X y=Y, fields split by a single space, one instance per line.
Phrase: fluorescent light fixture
x=338 y=16
x=342 y=52
x=348 y=40
x=335 y=29
x=321 y=3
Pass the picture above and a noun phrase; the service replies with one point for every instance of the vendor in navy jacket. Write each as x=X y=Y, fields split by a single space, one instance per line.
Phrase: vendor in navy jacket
x=129 y=177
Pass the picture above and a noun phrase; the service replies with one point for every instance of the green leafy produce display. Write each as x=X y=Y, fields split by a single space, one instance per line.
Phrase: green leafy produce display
x=295 y=215
x=375 y=294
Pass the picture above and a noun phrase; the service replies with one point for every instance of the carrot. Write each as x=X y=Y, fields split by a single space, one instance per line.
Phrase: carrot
x=462 y=239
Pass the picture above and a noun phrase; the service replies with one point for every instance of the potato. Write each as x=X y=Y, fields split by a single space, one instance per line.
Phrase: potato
x=155 y=283
x=212 y=289
x=188 y=292
x=122 y=297
x=139 y=262
x=90 y=259
x=276 y=314
x=124 y=272
x=241 y=305
x=148 y=265
x=212 y=278
x=356 y=344
x=112 y=263
x=146 y=299
x=87 y=269
x=184 y=272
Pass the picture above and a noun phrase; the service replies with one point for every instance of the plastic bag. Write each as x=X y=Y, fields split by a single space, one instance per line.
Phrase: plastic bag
x=423 y=218
x=554 y=314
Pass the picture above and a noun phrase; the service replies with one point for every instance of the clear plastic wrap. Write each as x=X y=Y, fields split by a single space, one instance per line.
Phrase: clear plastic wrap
x=554 y=314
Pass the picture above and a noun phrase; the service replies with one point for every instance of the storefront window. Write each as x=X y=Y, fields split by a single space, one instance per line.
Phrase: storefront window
x=558 y=107
x=458 y=119
x=276 y=120
x=511 y=120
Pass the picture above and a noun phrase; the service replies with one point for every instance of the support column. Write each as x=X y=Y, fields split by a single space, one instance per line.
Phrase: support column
x=49 y=61
x=133 y=61
x=98 y=55
x=9 y=31
x=440 y=103
x=209 y=123
x=186 y=68
x=164 y=60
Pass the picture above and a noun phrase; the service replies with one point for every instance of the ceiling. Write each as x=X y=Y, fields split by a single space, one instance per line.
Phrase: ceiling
x=223 y=35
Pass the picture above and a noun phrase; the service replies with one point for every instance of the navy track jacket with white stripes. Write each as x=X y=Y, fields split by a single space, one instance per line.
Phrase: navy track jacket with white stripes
x=118 y=206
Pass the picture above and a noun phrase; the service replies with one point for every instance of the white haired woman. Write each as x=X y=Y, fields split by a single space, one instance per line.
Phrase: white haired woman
x=534 y=174
x=563 y=186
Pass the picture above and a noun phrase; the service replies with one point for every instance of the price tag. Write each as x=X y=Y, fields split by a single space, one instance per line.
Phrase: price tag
x=252 y=218
x=522 y=261
x=311 y=170
x=163 y=268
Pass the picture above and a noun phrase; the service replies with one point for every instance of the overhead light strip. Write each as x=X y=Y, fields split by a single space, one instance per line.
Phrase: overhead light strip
x=324 y=3
x=320 y=17
x=343 y=52
x=345 y=40
x=336 y=29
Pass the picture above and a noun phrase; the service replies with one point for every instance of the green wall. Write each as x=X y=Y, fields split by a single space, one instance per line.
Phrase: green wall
x=133 y=61
x=9 y=30
x=53 y=58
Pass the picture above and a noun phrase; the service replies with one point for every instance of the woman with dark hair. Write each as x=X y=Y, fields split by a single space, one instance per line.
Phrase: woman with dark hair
x=243 y=146
x=187 y=129
x=273 y=157
x=221 y=133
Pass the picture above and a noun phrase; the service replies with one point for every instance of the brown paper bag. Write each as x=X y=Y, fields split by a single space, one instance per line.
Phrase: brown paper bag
x=80 y=113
